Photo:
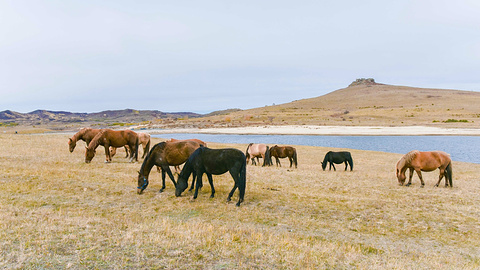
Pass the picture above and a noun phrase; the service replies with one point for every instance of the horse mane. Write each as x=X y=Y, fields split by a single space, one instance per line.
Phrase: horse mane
x=94 y=143
x=407 y=158
x=246 y=151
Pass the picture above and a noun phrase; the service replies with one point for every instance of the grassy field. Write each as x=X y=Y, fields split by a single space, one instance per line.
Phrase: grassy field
x=58 y=212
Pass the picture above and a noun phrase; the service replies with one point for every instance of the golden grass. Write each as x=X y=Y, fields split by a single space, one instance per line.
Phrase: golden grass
x=58 y=212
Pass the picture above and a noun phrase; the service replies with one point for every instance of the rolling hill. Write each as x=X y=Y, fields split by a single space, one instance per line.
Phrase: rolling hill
x=366 y=103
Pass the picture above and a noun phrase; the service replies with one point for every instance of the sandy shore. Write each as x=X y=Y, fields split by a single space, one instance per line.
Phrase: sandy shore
x=326 y=130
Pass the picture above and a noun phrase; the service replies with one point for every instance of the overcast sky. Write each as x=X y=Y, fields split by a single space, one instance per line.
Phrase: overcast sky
x=202 y=56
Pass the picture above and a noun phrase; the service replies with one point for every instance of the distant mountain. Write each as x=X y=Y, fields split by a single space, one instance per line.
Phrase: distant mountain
x=125 y=116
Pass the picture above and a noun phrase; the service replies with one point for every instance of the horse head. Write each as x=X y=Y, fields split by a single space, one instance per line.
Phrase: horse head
x=400 y=173
x=89 y=154
x=71 y=144
x=181 y=185
x=142 y=183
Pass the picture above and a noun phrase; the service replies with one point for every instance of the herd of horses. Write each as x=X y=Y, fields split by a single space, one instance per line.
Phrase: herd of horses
x=198 y=159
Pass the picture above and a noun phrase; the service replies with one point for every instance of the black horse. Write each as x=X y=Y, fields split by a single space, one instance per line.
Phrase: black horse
x=337 y=158
x=214 y=161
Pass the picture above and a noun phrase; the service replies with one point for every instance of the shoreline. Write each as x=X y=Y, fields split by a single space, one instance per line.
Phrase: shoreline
x=327 y=130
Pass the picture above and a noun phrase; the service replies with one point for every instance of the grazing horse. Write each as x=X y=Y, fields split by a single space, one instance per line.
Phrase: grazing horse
x=84 y=134
x=177 y=168
x=256 y=150
x=283 y=152
x=427 y=162
x=214 y=161
x=143 y=139
x=109 y=137
x=337 y=158
x=164 y=155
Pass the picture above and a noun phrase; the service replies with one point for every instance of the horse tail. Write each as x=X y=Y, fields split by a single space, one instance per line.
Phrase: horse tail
x=350 y=160
x=267 y=161
x=449 y=173
x=136 y=149
x=295 y=157
x=147 y=147
x=242 y=181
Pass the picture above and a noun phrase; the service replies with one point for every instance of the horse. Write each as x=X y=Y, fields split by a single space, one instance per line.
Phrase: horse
x=84 y=134
x=337 y=158
x=109 y=137
x=214 y=161
x=427 y=162
x=164 y=155
x=143 y=139
x=177 y=168
x=283 y=152
x=256 y=150
x=195 y=140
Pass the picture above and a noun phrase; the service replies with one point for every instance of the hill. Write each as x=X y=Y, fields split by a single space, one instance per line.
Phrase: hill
x=366 y=103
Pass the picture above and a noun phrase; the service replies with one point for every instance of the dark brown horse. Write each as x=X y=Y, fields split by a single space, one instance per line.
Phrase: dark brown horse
x=283 y=152
x=164 y=155
x=109 y=137
x=427 y=162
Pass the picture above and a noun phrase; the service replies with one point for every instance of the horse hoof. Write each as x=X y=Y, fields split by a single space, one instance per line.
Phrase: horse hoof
x=161 y=190
x=422 y=186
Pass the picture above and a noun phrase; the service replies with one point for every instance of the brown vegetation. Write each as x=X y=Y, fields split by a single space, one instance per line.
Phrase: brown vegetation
x=58 y=212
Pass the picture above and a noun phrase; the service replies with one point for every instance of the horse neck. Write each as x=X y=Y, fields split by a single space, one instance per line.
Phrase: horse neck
x=95 y=142
x=147 y=165
x=78 y=135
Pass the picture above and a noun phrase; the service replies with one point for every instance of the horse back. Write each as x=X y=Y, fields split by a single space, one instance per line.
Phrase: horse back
x=177 y=152
x=219 y=161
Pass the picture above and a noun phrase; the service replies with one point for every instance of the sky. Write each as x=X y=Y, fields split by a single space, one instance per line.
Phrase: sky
x=203 y=56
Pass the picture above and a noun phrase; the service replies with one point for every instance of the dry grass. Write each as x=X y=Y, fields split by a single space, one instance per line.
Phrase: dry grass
x=58 y=212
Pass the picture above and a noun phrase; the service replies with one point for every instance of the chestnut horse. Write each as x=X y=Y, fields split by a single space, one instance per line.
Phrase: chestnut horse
x=427 y=162
x=85 y=134
x=109 y=137
x=164 y=155
x=143 y=139
x=283 y=152
x=256 y=150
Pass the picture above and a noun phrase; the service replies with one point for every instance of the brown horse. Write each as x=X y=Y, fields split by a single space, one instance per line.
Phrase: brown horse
x=427 y=162
x=109 y=137
x=195 y=140
x=283 y=152
x=256 y=150
x=85 y=134
x=177 y=168
x=164 y=155
x=143 y=139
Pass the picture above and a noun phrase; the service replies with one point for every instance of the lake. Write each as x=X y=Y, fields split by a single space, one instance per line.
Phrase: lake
x=461 y=148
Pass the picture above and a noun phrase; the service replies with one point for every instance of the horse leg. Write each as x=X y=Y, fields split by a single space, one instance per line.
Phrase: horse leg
x=169 y=172
x=197 y=186
x=346 y=165
x=440 y=177
x=108 y=159
x=410 y=177
x=126 y=151
x=193 y=181
x=210 y=181
x=163 y=180
x=332 y=164
x=278 y=161
x=419 y=173
x=291 y=161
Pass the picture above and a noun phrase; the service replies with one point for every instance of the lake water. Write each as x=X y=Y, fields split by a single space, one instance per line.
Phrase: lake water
x=461 y=148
